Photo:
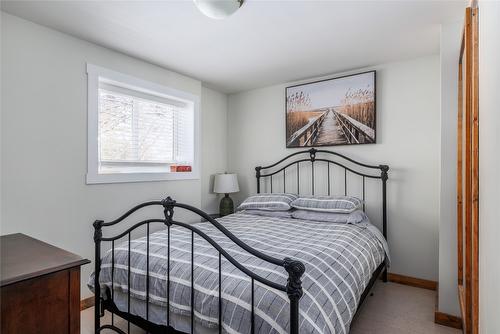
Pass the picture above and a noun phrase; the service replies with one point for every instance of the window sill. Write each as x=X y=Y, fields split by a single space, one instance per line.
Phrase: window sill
x=140 y=177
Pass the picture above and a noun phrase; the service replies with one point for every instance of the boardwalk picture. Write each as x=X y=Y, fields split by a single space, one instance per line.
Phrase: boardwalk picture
x=338 y=111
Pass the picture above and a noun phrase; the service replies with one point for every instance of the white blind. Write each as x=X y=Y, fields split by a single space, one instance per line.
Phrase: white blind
x=136 y=130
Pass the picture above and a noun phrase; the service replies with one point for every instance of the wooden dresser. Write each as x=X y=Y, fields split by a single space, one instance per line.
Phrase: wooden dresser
x=40 y=287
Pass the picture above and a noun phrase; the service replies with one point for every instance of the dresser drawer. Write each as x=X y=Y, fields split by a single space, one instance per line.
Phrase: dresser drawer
x=46 y=304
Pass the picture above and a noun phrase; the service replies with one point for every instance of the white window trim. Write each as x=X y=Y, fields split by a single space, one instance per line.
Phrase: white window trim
x=93 y=177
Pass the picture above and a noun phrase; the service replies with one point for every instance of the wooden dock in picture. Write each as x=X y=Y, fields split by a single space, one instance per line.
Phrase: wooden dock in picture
x=332 y=128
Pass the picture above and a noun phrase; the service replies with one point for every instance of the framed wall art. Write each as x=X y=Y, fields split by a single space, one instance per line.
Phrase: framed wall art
x=337 y=111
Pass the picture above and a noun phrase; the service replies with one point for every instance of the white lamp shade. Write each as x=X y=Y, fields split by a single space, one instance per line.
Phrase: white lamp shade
x=226 y=183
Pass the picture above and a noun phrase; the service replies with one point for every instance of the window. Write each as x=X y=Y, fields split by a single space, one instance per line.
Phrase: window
x=139 y=131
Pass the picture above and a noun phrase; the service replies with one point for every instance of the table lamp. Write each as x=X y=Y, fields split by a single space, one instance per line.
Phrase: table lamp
x=226 y=184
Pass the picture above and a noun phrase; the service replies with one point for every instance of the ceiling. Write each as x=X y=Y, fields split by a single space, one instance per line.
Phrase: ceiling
x=264 y=43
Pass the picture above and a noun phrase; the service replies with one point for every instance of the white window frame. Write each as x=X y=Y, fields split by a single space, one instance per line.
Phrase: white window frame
x=93 y=176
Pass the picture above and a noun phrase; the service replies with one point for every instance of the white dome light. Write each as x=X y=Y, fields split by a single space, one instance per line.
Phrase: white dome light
x=218 y=9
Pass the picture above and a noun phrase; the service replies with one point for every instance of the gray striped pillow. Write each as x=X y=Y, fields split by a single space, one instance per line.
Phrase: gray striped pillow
x=332 y=217
x=267 y=213
x=269 y=202
x=339 y=204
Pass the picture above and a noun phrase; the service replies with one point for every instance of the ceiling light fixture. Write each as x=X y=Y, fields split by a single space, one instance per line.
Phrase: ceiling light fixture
x=218 y=9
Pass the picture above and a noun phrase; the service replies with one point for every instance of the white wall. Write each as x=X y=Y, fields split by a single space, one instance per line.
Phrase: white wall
x=408 y=137
x=451 y=36
x=44 y=138
x=489 y=162
x=213 y=146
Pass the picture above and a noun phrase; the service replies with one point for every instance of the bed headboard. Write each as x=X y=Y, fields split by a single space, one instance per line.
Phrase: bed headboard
x=309 y=160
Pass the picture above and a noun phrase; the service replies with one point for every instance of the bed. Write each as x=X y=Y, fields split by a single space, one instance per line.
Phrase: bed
x=243 y=273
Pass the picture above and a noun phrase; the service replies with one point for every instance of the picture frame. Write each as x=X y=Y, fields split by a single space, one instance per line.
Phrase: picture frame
x=330 y=112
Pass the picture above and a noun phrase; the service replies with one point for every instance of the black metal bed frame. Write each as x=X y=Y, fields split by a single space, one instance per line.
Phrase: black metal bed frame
x=294 y=268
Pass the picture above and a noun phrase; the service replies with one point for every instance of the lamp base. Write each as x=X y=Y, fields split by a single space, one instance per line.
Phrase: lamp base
x=226 y=206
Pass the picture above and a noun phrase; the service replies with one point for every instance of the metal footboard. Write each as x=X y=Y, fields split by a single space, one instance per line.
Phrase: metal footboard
x=294 y=268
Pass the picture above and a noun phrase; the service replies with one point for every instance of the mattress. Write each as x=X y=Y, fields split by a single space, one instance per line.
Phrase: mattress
x=339 y=261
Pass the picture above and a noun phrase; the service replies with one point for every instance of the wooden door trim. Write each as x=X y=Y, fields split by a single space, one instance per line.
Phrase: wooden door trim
x=468 y=173
x=475 y=170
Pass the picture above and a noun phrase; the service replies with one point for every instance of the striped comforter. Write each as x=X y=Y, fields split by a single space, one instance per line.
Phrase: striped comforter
x=339 y=260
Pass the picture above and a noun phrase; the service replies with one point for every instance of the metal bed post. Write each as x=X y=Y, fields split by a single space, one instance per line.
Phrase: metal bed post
x=384 y=176
x=257 y=175
x=128 y=282
x=294 y=291
x=312 y=155
x=220 y=293
x=97 y=288
x=168 y=211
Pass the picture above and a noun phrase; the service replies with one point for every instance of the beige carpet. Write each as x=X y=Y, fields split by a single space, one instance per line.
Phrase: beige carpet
x=393 y=309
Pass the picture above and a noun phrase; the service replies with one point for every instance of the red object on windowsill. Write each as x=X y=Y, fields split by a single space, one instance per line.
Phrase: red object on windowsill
x=180 y=168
